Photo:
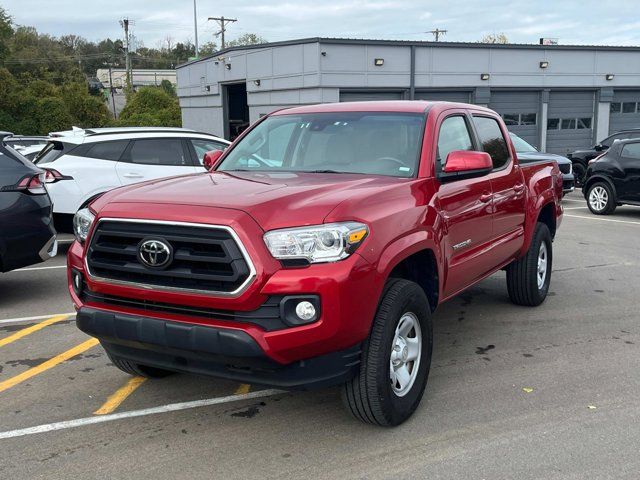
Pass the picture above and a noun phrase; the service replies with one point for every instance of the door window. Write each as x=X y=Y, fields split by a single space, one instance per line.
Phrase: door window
x=492 y=140
x=158 y=151
x=454 y=135
x=203 y=146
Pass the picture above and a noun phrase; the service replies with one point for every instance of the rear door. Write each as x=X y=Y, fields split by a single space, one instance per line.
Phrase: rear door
x=151 y=158
x=465 y=206
x=507 y=185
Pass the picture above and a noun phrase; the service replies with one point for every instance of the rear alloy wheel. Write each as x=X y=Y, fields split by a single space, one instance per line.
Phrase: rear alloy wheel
x=600 y=199
x=395 y=358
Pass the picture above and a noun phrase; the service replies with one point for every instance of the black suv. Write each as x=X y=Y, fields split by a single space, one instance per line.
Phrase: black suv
x=613 y=178
x=27 y=235
x=580 y=158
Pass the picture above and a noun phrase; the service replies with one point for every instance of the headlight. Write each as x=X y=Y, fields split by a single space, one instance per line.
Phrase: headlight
x=82 y=223
x=317 y=244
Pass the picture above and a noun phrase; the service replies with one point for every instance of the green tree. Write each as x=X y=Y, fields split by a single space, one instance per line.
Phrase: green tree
x=6 y=30
x=151 y=107
x=246 y=39
x=168 y=87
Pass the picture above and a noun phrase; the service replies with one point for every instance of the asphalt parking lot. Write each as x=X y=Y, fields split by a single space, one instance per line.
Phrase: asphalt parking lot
x=550 y=392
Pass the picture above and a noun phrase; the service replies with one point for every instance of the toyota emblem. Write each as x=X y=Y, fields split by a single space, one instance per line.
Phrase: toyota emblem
x=155 y=253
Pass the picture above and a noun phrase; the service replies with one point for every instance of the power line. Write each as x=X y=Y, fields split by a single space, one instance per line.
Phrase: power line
x=222 y=22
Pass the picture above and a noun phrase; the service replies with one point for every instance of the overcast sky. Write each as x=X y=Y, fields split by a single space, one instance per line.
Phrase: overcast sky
x=523 y=21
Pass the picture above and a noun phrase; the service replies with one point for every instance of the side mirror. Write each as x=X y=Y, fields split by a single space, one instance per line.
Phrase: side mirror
x=212 y=159
x=599 y=147
x=463 y=164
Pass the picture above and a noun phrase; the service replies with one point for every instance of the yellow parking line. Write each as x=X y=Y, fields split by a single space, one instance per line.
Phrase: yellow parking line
x=33 y=328
x=44 y=366
x=243 y=389
x=120 y=396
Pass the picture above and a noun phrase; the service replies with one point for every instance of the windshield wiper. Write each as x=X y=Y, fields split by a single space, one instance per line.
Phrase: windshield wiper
x=321 y=171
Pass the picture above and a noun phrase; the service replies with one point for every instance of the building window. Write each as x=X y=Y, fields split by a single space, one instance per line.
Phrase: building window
x=615 y=107
x=568 y=124
x=553 y=123
x=512 y=119
x=629 y=107
x=584 y=123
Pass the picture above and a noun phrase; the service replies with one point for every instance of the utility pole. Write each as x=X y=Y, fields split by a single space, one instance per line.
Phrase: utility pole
x=195 y=26
x=111 y=90
x=124 y=23
x=437 y=32
x=222 y=22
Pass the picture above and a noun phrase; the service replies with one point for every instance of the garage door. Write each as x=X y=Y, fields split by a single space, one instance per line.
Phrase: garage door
x=444 y=96
x=520 y=113
x=625 y=110
x=570 y=121
x=367 y=96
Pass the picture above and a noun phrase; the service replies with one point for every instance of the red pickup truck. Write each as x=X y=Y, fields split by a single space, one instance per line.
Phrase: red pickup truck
x=316 y=250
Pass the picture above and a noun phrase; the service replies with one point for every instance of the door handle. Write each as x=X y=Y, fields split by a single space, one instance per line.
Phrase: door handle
x=132 y=175
x=518 y=188
x=486 y=197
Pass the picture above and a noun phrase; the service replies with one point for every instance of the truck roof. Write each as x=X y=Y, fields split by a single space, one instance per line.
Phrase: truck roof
x=400 y=106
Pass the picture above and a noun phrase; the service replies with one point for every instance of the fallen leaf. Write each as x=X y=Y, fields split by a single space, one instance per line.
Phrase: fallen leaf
x=591 y=407
x=527 y=389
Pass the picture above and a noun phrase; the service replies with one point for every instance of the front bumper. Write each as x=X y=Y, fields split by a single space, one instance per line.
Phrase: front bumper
x=226 y=353
x=568 y=183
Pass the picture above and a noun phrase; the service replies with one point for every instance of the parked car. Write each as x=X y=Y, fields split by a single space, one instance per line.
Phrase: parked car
x=581 y=158
x=20 y=142
x=528 y=153
x=30 y=153
x=27 y=235
x=324 y=265
x=613 y=178
x=83 y=164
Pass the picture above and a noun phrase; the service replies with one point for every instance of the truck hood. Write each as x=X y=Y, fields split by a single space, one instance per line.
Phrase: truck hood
x=274 y=200
x=541 y=156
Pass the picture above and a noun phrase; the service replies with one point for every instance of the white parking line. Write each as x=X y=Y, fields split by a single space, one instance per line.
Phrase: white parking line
x=39 y=317
x=603 y=219
x=172 y=407
x=29 y=269
x=575 y=208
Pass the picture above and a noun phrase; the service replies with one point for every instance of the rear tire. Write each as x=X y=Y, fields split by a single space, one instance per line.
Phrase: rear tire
x=396 y=358
x=601 y=199
x=137 y=369
x=528 y=278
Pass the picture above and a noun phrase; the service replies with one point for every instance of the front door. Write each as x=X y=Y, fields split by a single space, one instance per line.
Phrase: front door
x=465 y=206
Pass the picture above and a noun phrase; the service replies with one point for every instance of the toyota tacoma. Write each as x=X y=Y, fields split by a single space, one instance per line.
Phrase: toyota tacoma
x=316 y=250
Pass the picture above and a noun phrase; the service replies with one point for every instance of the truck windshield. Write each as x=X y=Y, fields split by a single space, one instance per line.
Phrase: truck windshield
x=375 y=143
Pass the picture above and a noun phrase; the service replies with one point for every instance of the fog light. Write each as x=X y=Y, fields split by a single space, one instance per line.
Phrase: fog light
x=305 y=310
x=77 y=282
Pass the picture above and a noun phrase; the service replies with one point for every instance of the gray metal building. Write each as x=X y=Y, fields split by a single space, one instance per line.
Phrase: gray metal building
x=558 y=98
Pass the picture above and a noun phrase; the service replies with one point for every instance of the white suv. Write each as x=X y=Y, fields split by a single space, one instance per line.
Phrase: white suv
x=81 y=164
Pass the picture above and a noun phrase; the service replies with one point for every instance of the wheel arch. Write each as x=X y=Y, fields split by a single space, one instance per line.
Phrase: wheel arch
x=407 y=258
x=600 y=178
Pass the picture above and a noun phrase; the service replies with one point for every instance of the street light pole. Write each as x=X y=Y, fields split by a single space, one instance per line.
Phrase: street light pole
x=195 y=25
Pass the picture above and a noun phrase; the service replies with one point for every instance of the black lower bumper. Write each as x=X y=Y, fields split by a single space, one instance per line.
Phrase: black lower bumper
x=225 y=353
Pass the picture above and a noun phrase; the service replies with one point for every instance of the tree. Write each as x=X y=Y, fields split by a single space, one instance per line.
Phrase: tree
x=168 y=87
x=246 y=39
x=495 y=38
x=208 y=48
x=6 y=30
x=151 y=107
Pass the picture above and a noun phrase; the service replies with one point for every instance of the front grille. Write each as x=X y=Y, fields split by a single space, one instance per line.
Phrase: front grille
x=565 y=168
x=267 y=316
x=206 y=259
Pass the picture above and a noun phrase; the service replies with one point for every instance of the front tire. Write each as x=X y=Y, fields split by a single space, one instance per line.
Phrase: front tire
x=396 y=358
x=528 y=278
x=601 y=199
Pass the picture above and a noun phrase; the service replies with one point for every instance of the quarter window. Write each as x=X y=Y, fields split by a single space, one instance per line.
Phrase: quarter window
x=454 y=135
x=107 y=150
x=631 y=150
x=152 y=151
x=492 y=140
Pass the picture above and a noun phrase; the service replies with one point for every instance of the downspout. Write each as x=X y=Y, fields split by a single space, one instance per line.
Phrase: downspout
x=412 y=74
